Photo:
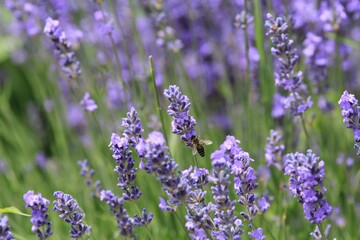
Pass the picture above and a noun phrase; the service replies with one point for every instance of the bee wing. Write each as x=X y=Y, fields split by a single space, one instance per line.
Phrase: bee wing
x=194 y=151
x=206 y=142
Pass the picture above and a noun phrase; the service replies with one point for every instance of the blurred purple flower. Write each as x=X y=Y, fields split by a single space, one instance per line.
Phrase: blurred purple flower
x=278 y=109
x=5 y=229
x=62 y=48
x=257 y=234
x=263 y=204
x=274 y=150
x=350 y=111
x=27 y=15
x=39 y=216
x=88 y=174
x=88 y=103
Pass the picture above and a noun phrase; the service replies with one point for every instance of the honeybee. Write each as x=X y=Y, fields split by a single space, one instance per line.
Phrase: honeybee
x=198 y=145
x=274 y=27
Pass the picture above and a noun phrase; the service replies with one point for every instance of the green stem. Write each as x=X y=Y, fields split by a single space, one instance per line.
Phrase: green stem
x=195 y=161
x=152 y=76
x=120 y=75
x=322 y=232
x=305 y=131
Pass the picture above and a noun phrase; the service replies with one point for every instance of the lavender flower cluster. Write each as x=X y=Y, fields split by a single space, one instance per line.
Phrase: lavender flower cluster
x=350 y=110
x=62 y=48
x=306 y=181
x=120 y=146
x=286 y=77
x=5 y=232
x=183 y=123
x=39 y=216
x=69 y=210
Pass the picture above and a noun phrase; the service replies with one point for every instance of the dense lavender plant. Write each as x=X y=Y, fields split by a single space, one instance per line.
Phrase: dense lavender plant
x=183 y=123
x=351 y=113
x=126 y=176
x=285 y=76
x=306 y=181
x=62 y=49
x=235 y=161
x=69 y=210
x=5 y=233
x=274 y=150
x=88 y=174
x=226 y=222
x=39 y=216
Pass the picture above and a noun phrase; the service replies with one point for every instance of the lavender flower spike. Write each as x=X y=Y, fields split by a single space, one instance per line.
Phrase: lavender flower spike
x=5 y=229
x=70 y=211
x=350 y=111
x=62 y=48
x=133 y=128
x=285 y=75
x=306 y=181
x=183 y=123
x=124 y=222
x=159 y=162
x=39 y=215
x=274 y=150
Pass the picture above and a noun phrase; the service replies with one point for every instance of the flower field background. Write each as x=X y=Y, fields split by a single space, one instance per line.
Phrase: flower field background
x=106 y=108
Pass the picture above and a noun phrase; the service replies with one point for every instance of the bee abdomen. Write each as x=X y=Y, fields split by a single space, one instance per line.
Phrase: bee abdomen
x=201 y=151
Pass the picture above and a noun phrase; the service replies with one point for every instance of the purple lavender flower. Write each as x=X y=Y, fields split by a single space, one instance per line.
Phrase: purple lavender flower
x=263 y=203
x=286 y=77
x=5 y=229
x=39 y=216
x=124 y=222
x=224 y=207
x=306 y=181
x=69 y=210
x=317 y=60
x=159 y=162
x=62 y=49
x=88 y=103
x=125 y=166
x=88 y=174
x=28 y=16
x=132 y=127
x=183 y=123
x=278 y=109
x=231 y=159
x=257 y=234
x=351 y=113
x=274 y=150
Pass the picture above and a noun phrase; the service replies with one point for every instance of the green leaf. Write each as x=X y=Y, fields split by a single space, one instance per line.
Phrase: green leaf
x=13 y=210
